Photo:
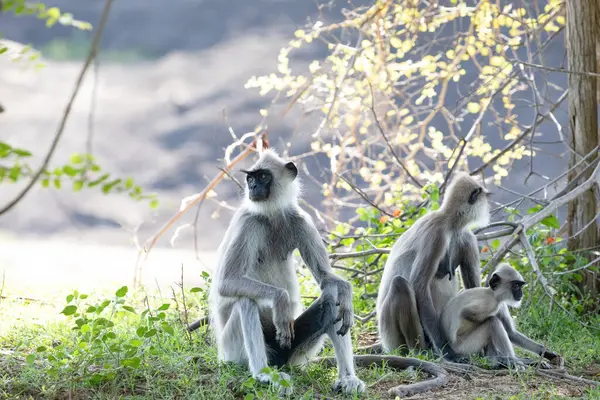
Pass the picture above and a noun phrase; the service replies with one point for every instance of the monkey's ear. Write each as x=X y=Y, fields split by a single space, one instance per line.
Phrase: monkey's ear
x=495 y=281
x=292 y=168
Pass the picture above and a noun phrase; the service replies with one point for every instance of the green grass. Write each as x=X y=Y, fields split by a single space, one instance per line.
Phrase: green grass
x=170 y=364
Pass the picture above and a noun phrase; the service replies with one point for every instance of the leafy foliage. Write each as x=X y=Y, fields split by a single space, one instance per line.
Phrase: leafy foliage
x=82 y=171
x=98 y=351
x=389 y=91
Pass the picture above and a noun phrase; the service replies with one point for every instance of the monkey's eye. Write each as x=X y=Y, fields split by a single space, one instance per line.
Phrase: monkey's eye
x=473 y=196
x=262 y=177
x=249 y=178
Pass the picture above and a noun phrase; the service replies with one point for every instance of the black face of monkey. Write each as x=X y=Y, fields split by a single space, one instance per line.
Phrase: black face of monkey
x=259 y=184
x=517 y=289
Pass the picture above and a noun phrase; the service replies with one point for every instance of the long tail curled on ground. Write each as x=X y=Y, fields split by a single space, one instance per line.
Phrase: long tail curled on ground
x=439 y=374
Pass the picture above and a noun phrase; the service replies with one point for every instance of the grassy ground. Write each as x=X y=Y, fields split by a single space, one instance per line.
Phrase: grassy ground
x=115 y=353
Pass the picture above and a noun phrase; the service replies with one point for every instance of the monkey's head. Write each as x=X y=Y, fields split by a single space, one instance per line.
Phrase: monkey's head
x=271 y=181
x=467 y=199
x=507 y=284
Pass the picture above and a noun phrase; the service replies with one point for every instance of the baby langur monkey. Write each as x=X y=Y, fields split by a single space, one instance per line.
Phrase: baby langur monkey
x=469 y=320
x=254 y=298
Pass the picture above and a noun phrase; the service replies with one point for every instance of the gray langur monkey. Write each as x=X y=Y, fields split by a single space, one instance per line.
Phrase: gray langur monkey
x=519 y=339
x=419 y=275
x=254 y=298
x=469 y=320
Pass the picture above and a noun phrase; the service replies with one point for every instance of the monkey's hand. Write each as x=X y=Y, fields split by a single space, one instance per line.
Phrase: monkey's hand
x=554 y=358
x=344 y=303
x=283 y=320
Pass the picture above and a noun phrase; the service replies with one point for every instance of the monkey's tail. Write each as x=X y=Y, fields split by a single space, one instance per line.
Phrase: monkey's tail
x=197 y=324
x=439 y=374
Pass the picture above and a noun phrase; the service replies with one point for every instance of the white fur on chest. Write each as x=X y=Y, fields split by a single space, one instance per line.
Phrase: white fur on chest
x=442 y=290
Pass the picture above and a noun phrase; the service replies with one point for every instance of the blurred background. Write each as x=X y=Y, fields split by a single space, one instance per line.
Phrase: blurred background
x=157 y=105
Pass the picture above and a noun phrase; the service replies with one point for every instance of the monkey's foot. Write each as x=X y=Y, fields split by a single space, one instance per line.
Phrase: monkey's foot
x=349 y=384
x=268 y=379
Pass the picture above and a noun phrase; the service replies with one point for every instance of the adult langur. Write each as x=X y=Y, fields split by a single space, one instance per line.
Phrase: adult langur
x=419 y=276
x=254 y=298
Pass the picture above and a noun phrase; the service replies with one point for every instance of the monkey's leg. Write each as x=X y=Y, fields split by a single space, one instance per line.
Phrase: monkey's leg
x=500 y=350
x=399 y=322
x=245 y=315
x=309 y=330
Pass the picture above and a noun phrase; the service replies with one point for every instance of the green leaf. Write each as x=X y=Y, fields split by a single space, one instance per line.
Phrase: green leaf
x=30 y=359
x=41 y=349
x=495 y=244
x=45 y=182
x=83 y=296
x=69 y=310
x=131 y=362
x=141 y=331
x=167 y=328
x=150 y=333
x=70 y=171
x=3 y=50
x=109 y=186
x=195 y=290
x=164 y=307
x=85 y=328
x=129 y=308
x=551 y=221
x=76 y=158
x=57 y=183
x=122 y=291
x=77 y=186
x=154 y=203
x=14 y=173
x=21 y=152
x=69 y=298
x=135 y=342
x=98 y=181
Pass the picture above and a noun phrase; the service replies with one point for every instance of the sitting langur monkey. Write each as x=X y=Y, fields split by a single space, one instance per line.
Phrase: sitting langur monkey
x=419 y=275
x=469 y=320
x=255 y=307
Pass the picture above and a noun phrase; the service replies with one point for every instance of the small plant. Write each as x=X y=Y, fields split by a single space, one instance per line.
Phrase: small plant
x=99 y=348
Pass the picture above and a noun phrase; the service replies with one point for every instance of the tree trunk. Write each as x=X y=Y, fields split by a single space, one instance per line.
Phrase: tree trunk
x=582 y=25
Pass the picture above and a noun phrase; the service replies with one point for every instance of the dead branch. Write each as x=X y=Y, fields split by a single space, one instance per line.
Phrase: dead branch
x=63 y=122
x=526 y=223
x=199 y=197
x=355 y=254
x=521 y=136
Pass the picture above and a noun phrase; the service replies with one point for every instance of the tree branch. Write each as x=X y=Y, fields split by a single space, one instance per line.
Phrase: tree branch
x=67 y=112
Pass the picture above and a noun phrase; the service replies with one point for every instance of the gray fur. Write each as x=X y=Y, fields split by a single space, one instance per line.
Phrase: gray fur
x=471 y=324
x=439 y=238
x=516 y=337
x=255 y=288
x=469 y=319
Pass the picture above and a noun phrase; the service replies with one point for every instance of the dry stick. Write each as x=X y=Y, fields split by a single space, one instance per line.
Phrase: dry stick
x=67 y=112
x=531 y=255
x=521 y=136
x=387 y=141
x=465 y=140
x=536 y=218
x=440 y=375
x=200 y=197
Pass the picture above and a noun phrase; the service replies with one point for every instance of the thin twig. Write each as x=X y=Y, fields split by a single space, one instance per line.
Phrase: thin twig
x=67 y=112
x=521 y=136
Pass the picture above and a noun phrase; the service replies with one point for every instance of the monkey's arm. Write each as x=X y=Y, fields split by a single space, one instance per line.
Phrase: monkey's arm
x=520 y=339
x=313 y=252
x=427 y=259
x=469 y=261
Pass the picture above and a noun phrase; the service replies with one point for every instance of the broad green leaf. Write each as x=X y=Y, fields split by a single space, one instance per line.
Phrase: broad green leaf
x=551 y=221
x=131 y=362
x=167 y=328
x=30 y=359
x=122 y=291
x=69 y=310
x=164 y=307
